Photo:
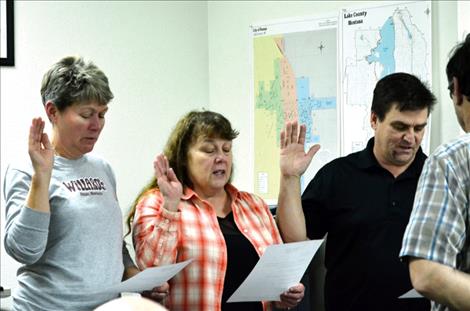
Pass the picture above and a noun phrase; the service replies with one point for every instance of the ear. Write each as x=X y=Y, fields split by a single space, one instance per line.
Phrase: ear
x=373 y=120
x=457 y=94
x=51 y=111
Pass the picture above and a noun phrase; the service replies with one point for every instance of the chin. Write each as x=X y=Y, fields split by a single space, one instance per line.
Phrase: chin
x=87 y=150
x=220 y=184
x=404 y=160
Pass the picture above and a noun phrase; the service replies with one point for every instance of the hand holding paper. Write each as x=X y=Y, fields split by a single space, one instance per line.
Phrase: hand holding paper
x=148 y=278
x=280 y=268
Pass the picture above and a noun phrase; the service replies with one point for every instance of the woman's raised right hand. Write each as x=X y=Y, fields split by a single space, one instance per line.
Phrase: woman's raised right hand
x=169 y=185
x=40 y=149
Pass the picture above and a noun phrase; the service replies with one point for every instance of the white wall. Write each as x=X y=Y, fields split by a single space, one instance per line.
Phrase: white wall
x=163 y=59
x=155 y=56
x=463 y=9
x=230 y=70
x=445 y=125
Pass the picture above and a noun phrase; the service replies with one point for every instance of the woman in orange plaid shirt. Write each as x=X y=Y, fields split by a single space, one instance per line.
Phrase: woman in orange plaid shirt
x=191 y=210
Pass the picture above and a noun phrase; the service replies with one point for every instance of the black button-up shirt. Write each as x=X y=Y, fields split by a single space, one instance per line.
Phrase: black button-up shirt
x=365 y=210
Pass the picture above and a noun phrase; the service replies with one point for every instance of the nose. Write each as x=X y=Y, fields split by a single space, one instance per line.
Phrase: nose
x=95 y=123
x=220 y=156
x=410 y=136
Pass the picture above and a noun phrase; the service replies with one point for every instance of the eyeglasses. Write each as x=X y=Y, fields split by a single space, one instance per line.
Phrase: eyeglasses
x=451 y=88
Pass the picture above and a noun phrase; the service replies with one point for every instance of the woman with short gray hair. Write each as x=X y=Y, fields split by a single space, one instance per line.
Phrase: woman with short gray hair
x=63 y=220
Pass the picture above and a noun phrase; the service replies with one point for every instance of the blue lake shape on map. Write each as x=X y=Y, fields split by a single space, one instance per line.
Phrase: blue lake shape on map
x=306 y=104
x=384 y=52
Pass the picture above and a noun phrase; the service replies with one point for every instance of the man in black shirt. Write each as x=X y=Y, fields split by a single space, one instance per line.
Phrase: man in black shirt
x=363 y=201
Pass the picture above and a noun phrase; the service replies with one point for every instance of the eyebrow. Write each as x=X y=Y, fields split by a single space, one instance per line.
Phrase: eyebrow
x=211 y=140
x=94 y=109
x=408 y=125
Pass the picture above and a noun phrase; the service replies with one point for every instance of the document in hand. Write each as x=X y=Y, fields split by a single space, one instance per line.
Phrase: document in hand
x=148 y=278
x=280 y=268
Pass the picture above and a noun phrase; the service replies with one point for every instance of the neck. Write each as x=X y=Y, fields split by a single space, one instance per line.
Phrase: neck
x=61 y=151
x=394 y=169
x=220 y=202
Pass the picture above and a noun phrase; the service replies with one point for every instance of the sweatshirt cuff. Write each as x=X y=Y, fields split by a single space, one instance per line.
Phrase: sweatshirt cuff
x=34 y=220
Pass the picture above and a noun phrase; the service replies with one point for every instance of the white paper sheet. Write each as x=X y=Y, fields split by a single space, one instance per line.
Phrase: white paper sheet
x=280 y=268
x=411 y=294
x=148 y=278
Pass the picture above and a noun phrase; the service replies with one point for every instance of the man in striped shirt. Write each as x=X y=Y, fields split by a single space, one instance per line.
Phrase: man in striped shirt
x=437 y=240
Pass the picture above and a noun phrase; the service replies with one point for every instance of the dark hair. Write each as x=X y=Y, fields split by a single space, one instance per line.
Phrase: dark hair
x=401 y=89
x=459 y=66
x=72 y=80
x=191 y=127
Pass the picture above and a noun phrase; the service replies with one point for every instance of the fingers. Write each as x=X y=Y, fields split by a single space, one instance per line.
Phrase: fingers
x=303 y=132
x=41 y=127
x=165 y=287
x=158 y=293
x=293 y=134
x=288 y=133
x=156 y=296
x=297 y=289
x=293 y=295
x=160 y=164
x=283 y=139
x=163 y=169
x=290 y=301
x=46 y=142
x=171 y=175
x=37 y=137
x=35 y=131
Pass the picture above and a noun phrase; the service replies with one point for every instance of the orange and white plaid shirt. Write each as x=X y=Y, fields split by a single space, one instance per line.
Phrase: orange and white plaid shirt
x=162 y=237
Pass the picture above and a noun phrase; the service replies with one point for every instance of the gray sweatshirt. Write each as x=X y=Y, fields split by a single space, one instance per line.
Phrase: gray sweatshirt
x=74 y=251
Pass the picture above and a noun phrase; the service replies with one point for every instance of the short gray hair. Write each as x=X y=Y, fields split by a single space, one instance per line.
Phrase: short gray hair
x=72 y=80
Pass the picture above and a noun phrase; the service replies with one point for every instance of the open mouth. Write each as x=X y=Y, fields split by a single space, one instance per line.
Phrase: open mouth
x=405 y=150
x=219 y=172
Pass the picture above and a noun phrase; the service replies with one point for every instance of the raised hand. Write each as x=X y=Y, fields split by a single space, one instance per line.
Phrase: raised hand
x=40 y=149
x=169 y=185
x=293 y=159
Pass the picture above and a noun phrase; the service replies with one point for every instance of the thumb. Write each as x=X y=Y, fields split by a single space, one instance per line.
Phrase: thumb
x=46 y=142
x=313 y=150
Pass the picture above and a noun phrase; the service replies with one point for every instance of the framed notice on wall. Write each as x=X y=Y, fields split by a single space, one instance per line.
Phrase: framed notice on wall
x=7 y=55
